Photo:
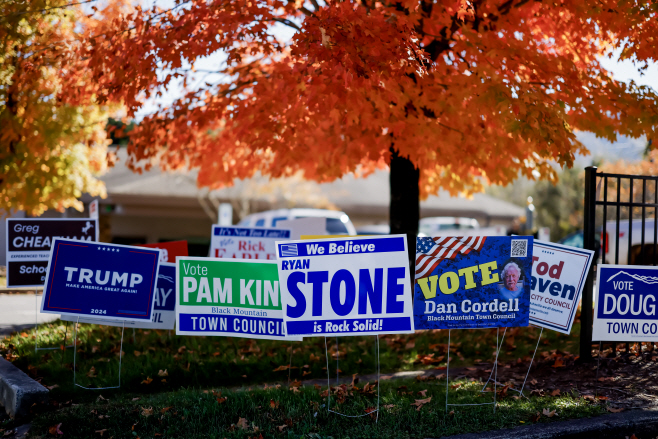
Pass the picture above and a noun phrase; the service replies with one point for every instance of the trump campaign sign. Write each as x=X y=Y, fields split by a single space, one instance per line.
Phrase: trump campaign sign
x=245 y=242
x=111 y=281
x=625 y=307
x=558 y=278
x=472 y=282
x=29 y=241
x=227 y=297
x=164 y=305
x=346 y=286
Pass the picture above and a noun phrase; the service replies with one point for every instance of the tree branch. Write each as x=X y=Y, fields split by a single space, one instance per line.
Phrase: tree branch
x=286 y=22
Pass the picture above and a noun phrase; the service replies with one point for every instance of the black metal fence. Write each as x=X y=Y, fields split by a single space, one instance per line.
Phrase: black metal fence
x=621 y=226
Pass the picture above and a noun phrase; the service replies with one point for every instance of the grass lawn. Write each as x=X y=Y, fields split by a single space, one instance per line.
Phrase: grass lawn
x=408 y=409
x=167 y=382
x=204 y=362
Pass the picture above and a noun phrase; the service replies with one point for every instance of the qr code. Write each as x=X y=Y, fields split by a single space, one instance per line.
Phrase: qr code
x=519 y=248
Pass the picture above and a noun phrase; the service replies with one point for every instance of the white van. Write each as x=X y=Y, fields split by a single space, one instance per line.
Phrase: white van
x=638 y=256
x=338 y=223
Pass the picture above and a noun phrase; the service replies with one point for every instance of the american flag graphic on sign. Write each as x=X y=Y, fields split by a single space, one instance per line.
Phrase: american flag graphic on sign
x=431 y=251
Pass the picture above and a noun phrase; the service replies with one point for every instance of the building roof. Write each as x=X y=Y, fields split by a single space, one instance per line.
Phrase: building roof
x=362 y=196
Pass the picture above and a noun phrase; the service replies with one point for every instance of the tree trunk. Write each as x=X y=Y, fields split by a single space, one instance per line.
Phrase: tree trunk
x=404 y=210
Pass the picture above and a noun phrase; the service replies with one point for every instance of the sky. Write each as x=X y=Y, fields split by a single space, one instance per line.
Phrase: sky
x=627 y=148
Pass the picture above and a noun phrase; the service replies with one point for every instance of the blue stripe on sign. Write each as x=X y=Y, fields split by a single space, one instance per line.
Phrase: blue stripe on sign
x=346 y=326
x=231 y=324
x=251 y=233
x=356 y=246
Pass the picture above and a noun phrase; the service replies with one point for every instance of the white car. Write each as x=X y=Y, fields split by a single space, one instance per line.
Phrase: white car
x=338 y=223
x=434 y=225
x=638 y=256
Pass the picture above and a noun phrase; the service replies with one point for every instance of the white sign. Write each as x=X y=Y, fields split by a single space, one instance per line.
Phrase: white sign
x=245 y=242
x=346 y=286
x=558 y=278
x=93 y=209
x=625 y=306
x=224 y=297
x=225 y=214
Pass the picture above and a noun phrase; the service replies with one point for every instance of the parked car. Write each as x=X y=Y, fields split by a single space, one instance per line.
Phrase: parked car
x=374 y=229
x=638 y=255
x=338 y=223
x=433 y=225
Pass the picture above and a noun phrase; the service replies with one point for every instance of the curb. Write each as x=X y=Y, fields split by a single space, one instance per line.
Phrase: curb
x=18 y=391
x=617 y=425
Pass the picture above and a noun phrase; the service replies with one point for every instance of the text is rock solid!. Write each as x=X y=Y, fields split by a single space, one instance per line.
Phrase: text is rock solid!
x=625 y=303
x=472 y=282
x=346 y=286
x=109 y=281
x=227 y=297
x=29 y=241
x=245 y=242
x=558 y=278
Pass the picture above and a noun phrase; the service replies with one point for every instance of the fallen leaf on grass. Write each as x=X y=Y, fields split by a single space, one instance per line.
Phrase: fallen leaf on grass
x=558 y=363
x=281 y=427
x=54 y=386
x=452 y=413
x=533 y=381
x=136 y=399
x=304 y=373
x=221 y=400
x=101 y=432
x=281 y=368
x=274 y=404
x=422 y=392
x=421 y=402
x=602 y=398
x=294 y=389
x=371 y=411
x=92 y=372
x=389 y=406
x=555 y=392
x=54 y=430
x=163 y=373
x=456 y=386
x=137 y=353
x=535 y=417
x=166 y=409
x=148 y=380
x=146 y=412
x=615 y=410
x=242 y=423
x=549 y=413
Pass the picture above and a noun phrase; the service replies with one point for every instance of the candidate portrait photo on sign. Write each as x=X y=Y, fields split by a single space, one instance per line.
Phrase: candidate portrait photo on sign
x=511 y=281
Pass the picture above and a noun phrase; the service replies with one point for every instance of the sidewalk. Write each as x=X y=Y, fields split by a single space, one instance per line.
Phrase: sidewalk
x=19 y=312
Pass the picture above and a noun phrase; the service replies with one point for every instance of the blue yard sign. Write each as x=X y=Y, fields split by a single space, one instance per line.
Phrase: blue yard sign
x=164 y=305
x=626 y=305
x=109 y=281
x=472 y=282
x=346 y=286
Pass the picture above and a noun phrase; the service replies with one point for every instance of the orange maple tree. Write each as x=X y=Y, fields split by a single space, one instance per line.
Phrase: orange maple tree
x=450 y=93
x=53 y=143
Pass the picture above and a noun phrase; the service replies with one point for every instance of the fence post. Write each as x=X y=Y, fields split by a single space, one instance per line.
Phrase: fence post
x=589 y=230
